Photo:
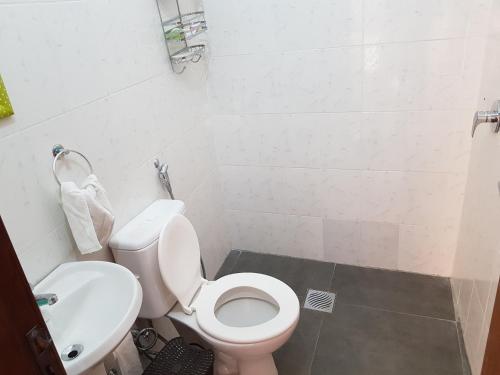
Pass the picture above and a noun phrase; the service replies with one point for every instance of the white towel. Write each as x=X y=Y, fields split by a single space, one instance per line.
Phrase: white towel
x=89 y=214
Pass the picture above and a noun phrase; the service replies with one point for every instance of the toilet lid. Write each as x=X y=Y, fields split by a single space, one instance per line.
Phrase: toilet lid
x=237 y=286
x=179 y=259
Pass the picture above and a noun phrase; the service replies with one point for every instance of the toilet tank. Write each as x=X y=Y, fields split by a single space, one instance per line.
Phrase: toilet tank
x=135 y=246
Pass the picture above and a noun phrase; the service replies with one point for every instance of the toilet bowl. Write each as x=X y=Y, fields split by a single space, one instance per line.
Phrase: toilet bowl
x=245 y=317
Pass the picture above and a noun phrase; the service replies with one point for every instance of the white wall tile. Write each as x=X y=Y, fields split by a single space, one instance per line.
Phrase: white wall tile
x=424 y=197
x=343 y=195
x=316 y=140
x=336 y=23
x=294 y=140
x=408 y=20
x=238 y=139
x=270 y=25
x=43 y=256
x=290 y=140
x=303 y=193
x=413 y=76
x=251 y=29
x=438 y=141
x=342 y=137
x=384 y=140
x=250 y=230
x=479 y=18
x=305 y=237
x=352 y=128
x=342 y=241
x=382 y=196
x=338 y=88
x=465 y=302
x=72 y=63
x=426 y=249
x=252 y=188
x=379 y=245
x=276 y=233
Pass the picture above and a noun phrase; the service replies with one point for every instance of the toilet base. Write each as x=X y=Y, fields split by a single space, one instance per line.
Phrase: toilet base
x=227 y=365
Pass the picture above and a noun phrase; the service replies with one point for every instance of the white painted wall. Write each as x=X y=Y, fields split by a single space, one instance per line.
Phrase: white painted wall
x=342 y=127
x=477 y=263
x=94 y=76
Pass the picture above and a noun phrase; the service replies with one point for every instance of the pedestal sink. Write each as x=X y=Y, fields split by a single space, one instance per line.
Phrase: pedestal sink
x=97 y=304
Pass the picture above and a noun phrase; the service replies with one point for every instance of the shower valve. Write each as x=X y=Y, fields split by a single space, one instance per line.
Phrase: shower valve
x=482 y=117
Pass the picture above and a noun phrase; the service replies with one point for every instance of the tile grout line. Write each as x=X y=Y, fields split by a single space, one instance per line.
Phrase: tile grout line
x=315 y=348
x=231 y=268
x=464 y=360
x=236 y=262
x=332 y=277
x=322 y=322
x=320 y=168
x=79 y=106
x=460 y=349
x=339 y=46
x=346 y=112
x=399 y=312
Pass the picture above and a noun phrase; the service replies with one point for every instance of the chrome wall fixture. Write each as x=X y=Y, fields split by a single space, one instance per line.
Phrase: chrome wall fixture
x=58 y=151
x=178 y=30
x=484 y=117
x=164 y=177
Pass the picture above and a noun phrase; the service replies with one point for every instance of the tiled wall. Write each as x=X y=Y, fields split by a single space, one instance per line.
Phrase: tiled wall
x=94 y=76
x=342 y=127
x=477 y=263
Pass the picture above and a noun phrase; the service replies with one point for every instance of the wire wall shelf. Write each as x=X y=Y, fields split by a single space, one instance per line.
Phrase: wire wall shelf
x=185 y=27
x=180 y=31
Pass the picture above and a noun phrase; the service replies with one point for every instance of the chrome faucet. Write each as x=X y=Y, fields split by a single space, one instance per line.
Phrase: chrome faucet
x=46 y=299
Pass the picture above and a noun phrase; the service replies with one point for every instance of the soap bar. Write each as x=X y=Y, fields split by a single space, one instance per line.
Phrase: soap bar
x=5 y=106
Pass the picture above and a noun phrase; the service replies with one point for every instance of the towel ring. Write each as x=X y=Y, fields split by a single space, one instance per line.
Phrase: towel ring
x=58 y=151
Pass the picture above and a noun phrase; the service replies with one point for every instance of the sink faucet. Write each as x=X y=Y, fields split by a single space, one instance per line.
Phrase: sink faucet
x=46 y=299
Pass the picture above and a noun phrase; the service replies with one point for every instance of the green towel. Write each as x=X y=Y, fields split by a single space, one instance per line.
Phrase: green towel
x=5 y=106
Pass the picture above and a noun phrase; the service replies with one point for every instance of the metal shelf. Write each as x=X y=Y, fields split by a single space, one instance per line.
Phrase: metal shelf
x=180 y=29
x=189 y=54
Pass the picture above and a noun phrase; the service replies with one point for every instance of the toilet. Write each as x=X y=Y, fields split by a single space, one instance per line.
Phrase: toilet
x=245 y=317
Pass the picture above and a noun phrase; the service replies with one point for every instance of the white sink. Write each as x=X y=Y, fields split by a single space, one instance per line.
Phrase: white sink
x=97 y=304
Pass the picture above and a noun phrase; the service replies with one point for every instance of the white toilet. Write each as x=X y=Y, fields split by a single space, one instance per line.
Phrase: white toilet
x=244 y=316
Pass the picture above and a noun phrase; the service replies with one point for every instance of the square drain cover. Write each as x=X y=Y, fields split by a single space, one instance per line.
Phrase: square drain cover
x=319 y=300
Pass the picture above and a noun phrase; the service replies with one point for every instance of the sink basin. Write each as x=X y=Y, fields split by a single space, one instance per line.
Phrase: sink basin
x=97 y=304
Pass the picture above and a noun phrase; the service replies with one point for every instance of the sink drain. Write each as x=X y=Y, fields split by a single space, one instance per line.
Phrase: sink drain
x=71 y=352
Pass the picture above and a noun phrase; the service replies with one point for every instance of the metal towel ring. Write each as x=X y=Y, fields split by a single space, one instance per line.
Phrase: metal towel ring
x=58 y=151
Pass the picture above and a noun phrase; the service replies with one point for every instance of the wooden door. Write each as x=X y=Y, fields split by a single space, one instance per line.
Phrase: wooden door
x=491 y=363
x=26 y=347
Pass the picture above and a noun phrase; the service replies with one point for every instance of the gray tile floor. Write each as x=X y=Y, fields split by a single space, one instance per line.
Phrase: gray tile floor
x=383 y=323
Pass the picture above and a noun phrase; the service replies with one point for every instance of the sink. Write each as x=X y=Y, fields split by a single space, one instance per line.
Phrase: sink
x=97 y=304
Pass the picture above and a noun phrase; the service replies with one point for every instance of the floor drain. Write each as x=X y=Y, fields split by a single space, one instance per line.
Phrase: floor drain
x=319 y=300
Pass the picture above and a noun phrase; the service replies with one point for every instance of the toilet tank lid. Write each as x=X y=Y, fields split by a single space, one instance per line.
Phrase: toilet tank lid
x=145 y=228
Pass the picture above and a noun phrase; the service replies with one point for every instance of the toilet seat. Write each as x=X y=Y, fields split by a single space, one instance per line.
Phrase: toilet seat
x=178 y=260
x=246 y=285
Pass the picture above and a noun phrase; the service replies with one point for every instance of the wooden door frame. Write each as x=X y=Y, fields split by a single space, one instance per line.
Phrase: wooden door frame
x=491 y=362
x=27 y=348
